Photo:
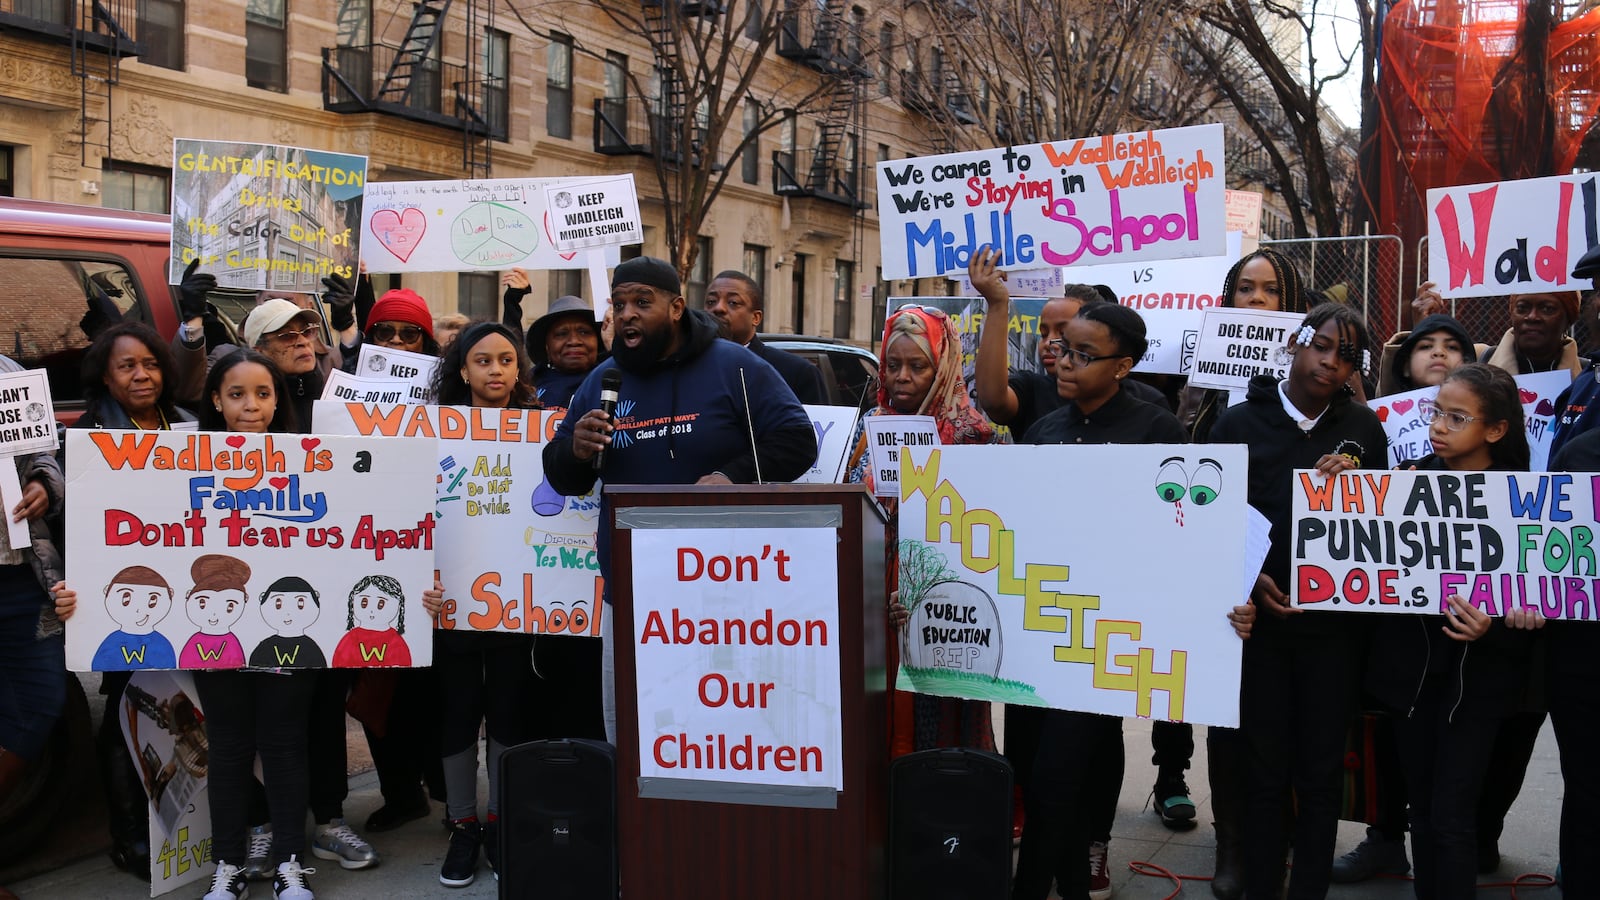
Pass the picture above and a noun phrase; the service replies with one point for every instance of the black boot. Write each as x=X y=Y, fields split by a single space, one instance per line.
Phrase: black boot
x=1227 y=882
x=127 y=808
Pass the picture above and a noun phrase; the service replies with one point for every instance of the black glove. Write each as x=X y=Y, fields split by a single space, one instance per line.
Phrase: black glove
x=341 y=299
x=192 y=291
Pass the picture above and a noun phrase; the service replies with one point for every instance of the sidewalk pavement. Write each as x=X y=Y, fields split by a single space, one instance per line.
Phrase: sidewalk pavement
x=411 y=855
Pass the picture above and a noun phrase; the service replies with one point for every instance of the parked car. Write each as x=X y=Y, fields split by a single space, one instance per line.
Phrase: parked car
x=849 y=372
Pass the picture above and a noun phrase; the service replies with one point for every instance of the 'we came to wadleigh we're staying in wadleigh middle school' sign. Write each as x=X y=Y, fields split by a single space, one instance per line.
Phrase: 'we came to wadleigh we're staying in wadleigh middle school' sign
x=1143 y=196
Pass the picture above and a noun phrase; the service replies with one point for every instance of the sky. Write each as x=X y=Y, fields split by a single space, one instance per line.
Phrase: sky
x=1337 y=30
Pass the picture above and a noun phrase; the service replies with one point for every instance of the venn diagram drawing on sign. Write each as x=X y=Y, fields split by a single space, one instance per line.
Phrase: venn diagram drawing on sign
x=484 y=234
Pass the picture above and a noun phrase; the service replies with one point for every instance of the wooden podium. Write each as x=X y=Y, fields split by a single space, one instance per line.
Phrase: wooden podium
x=701 y=840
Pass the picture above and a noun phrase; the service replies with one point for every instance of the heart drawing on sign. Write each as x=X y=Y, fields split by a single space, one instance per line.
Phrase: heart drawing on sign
x=235 y=440
x=1383 y=414
x=279 y=482
x=1546 y=407
x=399 y=232
x=1527 y=396
x=1404 y=406
x=566 y=256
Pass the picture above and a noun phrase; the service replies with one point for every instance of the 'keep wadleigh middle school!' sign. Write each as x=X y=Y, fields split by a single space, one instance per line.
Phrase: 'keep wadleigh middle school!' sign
x=512 y=554
x=1404 y=541
x=207 y=550
x=1125 y=197
x=1034 y=603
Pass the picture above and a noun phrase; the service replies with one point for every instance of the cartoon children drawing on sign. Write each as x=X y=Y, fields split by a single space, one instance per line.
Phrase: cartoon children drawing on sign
x=377 y=618
x=214 y=604
x=289 y=606
x=137 y=599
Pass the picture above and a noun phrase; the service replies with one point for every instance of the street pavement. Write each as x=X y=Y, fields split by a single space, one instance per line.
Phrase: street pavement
x=411 y=854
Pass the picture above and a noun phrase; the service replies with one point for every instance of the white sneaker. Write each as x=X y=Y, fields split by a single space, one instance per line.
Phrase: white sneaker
x=257 y=853
x=290 y=882
x=227 y=883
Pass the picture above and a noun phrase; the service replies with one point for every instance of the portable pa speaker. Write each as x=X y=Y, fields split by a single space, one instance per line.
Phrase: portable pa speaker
x=558 y=821
x=949 y=826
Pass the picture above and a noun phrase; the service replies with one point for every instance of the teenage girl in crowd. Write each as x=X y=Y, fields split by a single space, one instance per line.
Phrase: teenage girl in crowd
x=1420 y=358
x=485 y=675
x=1421 y=666
x=129 y=381
x=1299 y=671
x=920 y=375
x=1080 y=755
x=1264 y=280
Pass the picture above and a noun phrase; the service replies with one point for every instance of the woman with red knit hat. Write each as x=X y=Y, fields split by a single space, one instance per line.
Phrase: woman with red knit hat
x=400 y=320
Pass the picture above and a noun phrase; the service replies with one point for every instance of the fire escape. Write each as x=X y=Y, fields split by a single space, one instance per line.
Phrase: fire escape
x=410 y=80
x=94 y=33
x=819 y=38
x=656 y=126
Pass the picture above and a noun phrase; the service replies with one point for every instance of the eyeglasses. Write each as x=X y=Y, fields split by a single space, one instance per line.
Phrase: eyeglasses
x=288 y=337
x=384 y=331
x=1453 y=421
x=1078 y=358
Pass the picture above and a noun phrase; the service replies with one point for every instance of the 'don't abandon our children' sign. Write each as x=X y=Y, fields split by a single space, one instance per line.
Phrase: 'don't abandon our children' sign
x=1009 y=602
x=204 y=550
x=1405 y=541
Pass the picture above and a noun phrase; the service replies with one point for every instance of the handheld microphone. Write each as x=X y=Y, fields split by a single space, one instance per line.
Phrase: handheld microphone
x=610 y=385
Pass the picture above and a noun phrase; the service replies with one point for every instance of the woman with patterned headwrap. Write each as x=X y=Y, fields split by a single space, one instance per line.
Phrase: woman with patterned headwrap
x=920 y=375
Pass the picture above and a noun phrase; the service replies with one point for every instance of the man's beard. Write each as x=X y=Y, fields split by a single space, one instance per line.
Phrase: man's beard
x=644 y=357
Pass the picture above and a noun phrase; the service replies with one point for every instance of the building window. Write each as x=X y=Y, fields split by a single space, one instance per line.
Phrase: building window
x=566 y=282
x=756 y=25
x=478 y=295
x=8 y=172
x=852 y=39
x=786 y=151
x=797 y=293
x=355 y=23
x=885 y=59
x=616 y=99
x=699 y=274
x=755 y=265
x=496 y=80
x=132 y=186
x=848 y=152
x=266 y=50
x=558 y=86
x=161 y=33
x=751 y=162
x=880 y=302
x=844 y=285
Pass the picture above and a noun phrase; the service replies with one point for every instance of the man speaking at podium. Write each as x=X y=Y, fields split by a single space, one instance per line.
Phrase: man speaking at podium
x=690 y=408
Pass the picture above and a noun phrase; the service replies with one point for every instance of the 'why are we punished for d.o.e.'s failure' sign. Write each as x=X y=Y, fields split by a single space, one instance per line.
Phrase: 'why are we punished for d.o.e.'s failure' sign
x=1125 y=197
x=1405 y=541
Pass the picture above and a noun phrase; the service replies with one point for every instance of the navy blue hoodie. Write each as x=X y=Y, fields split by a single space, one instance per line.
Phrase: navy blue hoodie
x=684 y=417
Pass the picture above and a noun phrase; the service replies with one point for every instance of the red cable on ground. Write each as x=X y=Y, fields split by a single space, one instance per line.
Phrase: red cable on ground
x=1526 y=880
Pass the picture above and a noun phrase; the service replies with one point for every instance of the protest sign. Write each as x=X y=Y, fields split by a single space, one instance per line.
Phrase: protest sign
x=413 y=370
x=1004 y=608
x=1171 y=295
x=1149 y=195
x=1401 y=415
x=1512 y=237
x=27 y=415
x=346 y=388
x=736 y=650
x=467 y=225
x=513 y=554
x=1243 y=214
x=886 y=436
x=834 y=426
x=596 y=212
x=1236 y=345
x=1404 y=541
x=1023 y=283
x=163 y=726
x=265 y=216
x=282 y=551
